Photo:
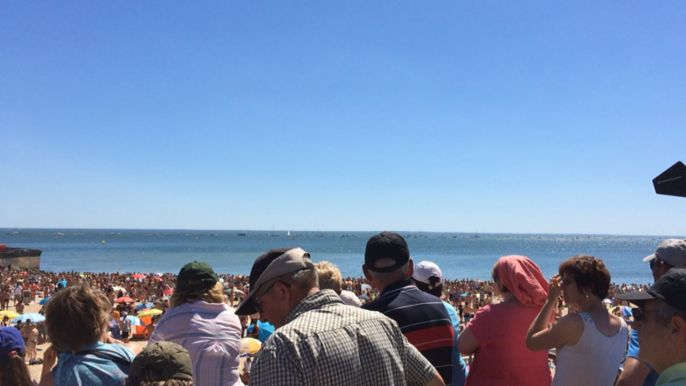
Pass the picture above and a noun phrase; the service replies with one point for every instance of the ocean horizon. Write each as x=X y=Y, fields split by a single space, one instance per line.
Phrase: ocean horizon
x=461 y=255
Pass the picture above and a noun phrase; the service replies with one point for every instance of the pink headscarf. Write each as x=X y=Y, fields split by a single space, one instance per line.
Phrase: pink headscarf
x=524 y=279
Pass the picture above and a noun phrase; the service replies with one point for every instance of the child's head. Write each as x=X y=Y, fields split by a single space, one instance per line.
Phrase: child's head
x=76 y=317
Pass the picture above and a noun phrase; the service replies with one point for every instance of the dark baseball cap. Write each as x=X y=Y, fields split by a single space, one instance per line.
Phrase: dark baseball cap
x=386 y=245
x=670 y=288
x=270 y=265
x=196 y=275
x=162 y=361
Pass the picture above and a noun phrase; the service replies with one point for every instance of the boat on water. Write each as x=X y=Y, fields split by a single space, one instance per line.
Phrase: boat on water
x=20 y=257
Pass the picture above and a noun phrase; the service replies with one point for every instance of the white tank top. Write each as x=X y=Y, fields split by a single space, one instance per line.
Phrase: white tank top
x=594 y=359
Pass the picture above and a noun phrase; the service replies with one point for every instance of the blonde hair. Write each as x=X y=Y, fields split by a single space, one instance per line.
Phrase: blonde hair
x=214 y=294
x=329 y=276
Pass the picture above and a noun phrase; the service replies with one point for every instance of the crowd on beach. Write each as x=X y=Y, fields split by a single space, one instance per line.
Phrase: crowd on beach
x=295 y=320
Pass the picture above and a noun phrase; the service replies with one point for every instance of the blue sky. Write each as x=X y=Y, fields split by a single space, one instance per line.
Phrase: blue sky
x=535 y=117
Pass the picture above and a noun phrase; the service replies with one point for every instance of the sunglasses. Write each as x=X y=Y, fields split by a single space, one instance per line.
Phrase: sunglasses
x=255 y=303
x=640 y=314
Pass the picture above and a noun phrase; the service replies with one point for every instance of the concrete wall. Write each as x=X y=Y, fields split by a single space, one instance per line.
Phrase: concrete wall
x=27 y=262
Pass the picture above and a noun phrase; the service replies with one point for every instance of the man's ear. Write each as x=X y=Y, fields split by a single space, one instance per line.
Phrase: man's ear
x=678 y=327
x=283 y=292
x=410 y=268
x=365 y=270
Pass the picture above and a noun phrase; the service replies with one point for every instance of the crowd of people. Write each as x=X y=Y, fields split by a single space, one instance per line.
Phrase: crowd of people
x=402 y=323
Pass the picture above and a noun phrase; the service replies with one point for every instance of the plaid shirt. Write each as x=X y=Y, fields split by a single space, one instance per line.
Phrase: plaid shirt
x=325 y=342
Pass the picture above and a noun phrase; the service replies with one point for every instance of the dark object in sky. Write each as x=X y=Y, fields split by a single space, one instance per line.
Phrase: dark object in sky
x=672 y=181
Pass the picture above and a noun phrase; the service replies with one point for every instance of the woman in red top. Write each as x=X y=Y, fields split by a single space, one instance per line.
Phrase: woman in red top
x=496 y=336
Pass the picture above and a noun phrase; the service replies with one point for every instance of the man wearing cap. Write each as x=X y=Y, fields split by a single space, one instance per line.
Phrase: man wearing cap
x=422 y=317
x=661 y=323
x=428 y=278
x=202 y=323
x=319 y=340
x=670 y=253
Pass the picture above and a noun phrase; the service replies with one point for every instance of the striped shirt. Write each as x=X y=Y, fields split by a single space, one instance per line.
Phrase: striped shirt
x=423 y=320
x=211 y=333
x=325 y=342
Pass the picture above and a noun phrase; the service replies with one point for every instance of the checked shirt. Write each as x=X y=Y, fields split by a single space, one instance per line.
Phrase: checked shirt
x=325 y=342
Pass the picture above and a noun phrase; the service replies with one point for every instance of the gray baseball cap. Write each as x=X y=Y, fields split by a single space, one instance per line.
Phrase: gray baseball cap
x=671 y=251
x=270 y=265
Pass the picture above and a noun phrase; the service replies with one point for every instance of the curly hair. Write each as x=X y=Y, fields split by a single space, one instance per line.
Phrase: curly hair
x=214 y=294
x=589 y=274
x=76 y=316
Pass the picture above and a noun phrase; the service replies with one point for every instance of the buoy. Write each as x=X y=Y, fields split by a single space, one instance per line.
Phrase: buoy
x=103 y=241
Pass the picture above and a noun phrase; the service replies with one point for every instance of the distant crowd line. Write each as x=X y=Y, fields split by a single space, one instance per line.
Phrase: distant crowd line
x=403 y=314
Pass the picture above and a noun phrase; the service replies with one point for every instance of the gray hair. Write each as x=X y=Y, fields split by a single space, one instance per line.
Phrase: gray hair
x=399 y=273
x=664 y=313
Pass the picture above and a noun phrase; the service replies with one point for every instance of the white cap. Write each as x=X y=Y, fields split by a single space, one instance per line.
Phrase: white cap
x=349 y=298
x=425 y=270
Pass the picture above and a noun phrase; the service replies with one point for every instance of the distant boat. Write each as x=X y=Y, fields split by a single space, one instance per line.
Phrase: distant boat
x=288 y=234
x=241 y=234
x=20 y=257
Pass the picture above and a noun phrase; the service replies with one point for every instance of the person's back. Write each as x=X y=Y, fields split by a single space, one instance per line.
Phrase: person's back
x=210 y=332
x=500 y=330
x=202 y=323
x=423 y=320
x=597 y=353
x=345 y=345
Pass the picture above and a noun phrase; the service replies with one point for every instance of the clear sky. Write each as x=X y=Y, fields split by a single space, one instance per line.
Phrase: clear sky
x=456 y=116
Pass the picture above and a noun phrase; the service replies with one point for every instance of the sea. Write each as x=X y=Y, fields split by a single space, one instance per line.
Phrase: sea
x=459 y=255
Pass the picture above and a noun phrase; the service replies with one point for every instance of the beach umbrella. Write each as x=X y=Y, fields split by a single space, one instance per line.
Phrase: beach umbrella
x=250 y=346
x=135 y=321
x=138 y=276
x=35 y=318
x=63 y=282
x=157 y=278
x=168 y=291
x=626 y=312
x=607 y=301
x=159 y=274
x=9 y=314
x=45 y=300
x=365 y=287
x=117 y=288
x=23 y=273
x=149 y=312
x=124 y=299
x=143 y=306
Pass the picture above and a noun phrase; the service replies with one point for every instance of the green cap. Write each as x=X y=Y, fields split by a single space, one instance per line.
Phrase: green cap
x=162 y=361
x=197 y=275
